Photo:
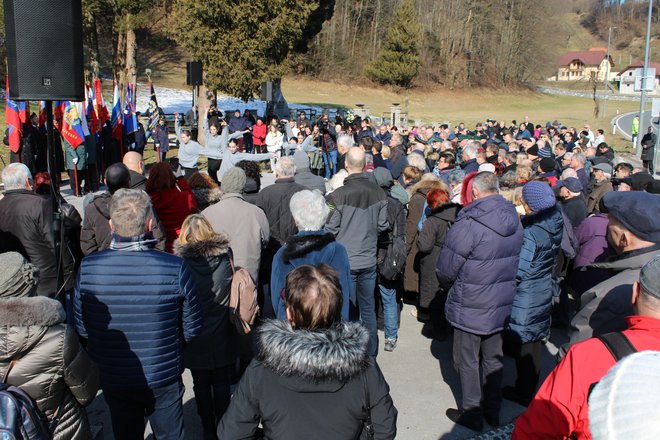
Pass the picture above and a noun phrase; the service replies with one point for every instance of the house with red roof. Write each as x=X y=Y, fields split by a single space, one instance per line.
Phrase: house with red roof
x=585 y=64
x=628 y=76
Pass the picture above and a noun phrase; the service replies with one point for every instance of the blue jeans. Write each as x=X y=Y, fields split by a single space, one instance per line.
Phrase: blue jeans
x=327 y=158
x=163 y=406
x=390 y=309
x=363 y=287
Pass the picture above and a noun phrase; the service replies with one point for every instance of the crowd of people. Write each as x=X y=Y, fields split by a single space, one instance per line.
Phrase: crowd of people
x=495 y=234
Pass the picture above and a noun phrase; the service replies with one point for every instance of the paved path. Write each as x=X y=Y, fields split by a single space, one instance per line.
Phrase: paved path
x=420 y=373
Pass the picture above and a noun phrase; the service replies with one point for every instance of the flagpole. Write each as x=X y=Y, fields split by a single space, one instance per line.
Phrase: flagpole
x=55 y=195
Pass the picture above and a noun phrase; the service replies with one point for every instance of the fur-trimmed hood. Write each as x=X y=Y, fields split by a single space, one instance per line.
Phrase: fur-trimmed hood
x=298 y=246
x=424 y=186
x=213 y=247
x=24 y=321
x=305 y=358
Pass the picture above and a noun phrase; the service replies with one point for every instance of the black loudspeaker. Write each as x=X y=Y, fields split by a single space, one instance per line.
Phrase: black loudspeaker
x=194 y=73
x=45 y=49
x=267 y=91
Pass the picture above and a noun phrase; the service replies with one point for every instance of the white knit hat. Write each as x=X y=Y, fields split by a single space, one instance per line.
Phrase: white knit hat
x=625 y=405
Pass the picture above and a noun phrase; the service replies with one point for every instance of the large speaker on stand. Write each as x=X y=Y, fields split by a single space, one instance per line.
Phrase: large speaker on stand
x=44 y=49
x=194 y=76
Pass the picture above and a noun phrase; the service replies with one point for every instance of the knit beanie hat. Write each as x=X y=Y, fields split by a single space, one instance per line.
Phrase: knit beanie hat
x=547 y=164
x=18 y=278
x=538 y=195
x=624 y=404
x=233 y=181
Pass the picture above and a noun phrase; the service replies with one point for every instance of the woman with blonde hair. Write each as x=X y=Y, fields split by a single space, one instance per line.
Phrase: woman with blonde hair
x=211 y=356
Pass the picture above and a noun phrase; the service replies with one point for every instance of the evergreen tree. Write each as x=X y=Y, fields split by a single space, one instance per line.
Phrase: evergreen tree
x=398 y=62
x=242 y=43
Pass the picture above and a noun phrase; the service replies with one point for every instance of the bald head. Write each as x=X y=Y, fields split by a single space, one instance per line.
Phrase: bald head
x=355 y=160
x=133 y=161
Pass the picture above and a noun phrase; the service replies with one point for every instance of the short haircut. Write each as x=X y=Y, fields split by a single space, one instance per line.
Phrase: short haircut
x=309 y=210
x=560 y=146
x=568 y=172
x=16 y=176
x=313 y=297
x=355 y=159
x=345 y=140
x=580 y=157
x=512 y=157
x=417 y=161
x=486 y=183
x=411 y=173
x=285 y=167
x=129 y=212
x=493 y=149
x=201 y=180
x=456 y=176
x=448 y=158
x=117 y=176
x=367 y=143
x=471 y=150
x=624 y=166
x=436 y=197
x=378 y=146
x=187 y=133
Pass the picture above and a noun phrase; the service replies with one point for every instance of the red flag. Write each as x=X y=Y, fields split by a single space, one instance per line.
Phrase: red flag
x=72 y=131
x=99 y=104
x=13 y=123
x=59 y=114
x=42 y=113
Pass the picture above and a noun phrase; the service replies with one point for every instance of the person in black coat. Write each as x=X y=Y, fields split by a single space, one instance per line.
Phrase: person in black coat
x=313 y=375
x=211 y=356
x=432 y=297
x=648 y=148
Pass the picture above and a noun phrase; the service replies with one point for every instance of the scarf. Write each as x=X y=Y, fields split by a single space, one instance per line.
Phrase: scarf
x=143 y=242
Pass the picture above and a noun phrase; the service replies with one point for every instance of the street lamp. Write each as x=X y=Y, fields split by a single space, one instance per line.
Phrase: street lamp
x=642 y=101
x=607 y=71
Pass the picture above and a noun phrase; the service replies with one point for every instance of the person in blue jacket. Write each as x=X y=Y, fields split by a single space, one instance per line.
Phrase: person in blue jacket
x=311 y=245
x=530 y=318
x=137 y=307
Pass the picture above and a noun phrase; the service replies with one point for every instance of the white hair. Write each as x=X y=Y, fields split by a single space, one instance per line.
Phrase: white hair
x=309 y=210
x=16 y=176
x=470 y=150
x=568 y=172
x=285 y=167
x=417 y=161
x=345 y=140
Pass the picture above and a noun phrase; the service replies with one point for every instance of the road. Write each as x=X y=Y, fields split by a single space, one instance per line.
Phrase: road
x=419 y=371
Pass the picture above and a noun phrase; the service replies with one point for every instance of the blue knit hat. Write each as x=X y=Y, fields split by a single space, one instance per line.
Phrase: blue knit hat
x=538 y=195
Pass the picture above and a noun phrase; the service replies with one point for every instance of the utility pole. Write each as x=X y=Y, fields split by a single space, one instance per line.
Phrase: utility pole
x=607 y=71
x=642 y=102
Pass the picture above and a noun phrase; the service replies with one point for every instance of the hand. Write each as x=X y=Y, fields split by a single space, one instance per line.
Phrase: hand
x=176 y=116
x=206 y=108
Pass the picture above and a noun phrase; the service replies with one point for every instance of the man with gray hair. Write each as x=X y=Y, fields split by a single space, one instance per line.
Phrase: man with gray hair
x=344 y=142
x=469 y=157
x=577 y=163
x=137 y=307
x=27 y=219
x=359 y=214
x=478 y=265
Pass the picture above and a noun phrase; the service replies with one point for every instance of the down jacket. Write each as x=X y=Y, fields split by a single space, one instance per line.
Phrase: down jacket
x=532 y=305
x=50 y=366
x=137 y=309
x=209 y=264
x=310 y=384
x=479 y=260
x=309 y=247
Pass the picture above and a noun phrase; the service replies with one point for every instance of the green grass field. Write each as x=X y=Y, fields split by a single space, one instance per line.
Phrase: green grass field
x=440 y=105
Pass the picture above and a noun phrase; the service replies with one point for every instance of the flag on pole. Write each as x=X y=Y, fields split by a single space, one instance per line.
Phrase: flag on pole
x=90 y=111
x=99 y=104
x=72 y=129
x=116 y=116
x=24 y=112
x=129 y=118
x=60 y=106
x=42 y=113
x=80 y=107
x=13 y=123
x=153 y=112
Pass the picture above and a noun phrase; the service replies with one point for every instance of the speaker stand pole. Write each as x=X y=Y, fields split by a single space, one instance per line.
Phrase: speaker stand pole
x=55 y=198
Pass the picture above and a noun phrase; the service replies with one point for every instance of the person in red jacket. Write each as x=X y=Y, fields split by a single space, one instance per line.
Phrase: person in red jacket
x=259 y=136
x=560 y=409
x=172 y=200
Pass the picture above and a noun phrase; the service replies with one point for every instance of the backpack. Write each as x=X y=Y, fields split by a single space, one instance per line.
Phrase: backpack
x=243 y=306
x=20 y=418
x=619 y=347
x=392 y=261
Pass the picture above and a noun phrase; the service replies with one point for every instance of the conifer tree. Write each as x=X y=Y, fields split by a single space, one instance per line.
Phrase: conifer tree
x=242 y=43
x=398 y=62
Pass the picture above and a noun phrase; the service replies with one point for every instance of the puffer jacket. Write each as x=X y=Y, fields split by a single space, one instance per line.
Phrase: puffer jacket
x=28 y=217
x=309 y=247
x=50 y=366
x=532 y=305
x=96 y=235
x=310 y=384
x=479 y=260
x=137 y=309
x=209 y=264
x=429 y=243
x=359 y=215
